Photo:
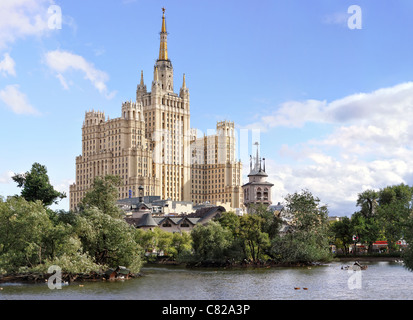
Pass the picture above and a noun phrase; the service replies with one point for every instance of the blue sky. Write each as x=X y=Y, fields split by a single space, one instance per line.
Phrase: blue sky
x=332 y=104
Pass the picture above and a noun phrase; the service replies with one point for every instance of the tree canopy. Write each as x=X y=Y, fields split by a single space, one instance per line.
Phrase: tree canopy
x=35 y=185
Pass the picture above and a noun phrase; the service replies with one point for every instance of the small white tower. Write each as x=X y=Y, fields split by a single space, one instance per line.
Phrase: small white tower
x=258 y=189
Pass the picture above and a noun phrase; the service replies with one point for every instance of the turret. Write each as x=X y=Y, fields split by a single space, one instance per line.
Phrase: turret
x=141 y=89
x=93 y=117
x=132 y=110
x=184 y=92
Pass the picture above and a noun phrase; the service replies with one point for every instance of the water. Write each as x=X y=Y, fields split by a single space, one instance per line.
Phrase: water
x=382 y=280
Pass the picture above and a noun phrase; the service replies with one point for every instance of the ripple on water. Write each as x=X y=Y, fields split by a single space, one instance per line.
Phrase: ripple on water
x=379 y=281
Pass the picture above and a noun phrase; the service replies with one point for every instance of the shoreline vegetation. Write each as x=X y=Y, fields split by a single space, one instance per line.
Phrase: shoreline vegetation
x=95 y=243
x=68 y=278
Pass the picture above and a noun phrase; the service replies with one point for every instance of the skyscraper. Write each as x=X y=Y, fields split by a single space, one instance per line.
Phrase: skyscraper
x=152 y=146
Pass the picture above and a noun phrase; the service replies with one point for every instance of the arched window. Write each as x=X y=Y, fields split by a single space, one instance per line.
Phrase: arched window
x=259 y=194
x=265 y=194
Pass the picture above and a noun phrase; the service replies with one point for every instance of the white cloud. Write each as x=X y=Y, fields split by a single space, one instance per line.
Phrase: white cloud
x=339 y=18
x=17 y=101
x=6 y=177
x=7 y=65
x=62 y=81
x=21 y=18
x=63 y=61
x=368 y=147
x=388 y=103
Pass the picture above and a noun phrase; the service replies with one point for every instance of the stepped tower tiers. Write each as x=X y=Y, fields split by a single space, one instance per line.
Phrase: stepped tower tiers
x=258 y=189
x=149 y=146
x=167 y=118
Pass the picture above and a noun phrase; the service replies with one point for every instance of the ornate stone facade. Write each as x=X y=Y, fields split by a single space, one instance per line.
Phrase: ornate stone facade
x=151 y=146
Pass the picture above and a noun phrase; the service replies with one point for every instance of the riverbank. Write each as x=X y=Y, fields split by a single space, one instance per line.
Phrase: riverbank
x=230 y=264
x=367 y=258
x=65 y=277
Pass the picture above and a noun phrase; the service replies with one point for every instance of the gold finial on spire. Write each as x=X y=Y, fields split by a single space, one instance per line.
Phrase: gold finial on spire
x=163 y=51
x=163 y=20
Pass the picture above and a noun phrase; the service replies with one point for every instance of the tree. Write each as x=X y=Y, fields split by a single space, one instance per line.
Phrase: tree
x=367 y=201
x=308 y=240
x=394 y=210
x=270 y=223
x=103 y=195
x=109 y=241
x=408 y=251
x=36 y=186
x=369 y=229
x=256 y=242
x=23 y=227
x=210 y=242
x=342 y=233
x=181 y=245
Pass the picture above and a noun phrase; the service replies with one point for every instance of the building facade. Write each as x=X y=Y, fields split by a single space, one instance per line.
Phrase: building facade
x=215 y=172
x=257 y=190
x=151 y=145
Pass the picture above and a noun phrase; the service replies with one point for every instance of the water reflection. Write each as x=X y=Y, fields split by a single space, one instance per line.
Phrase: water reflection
x=382 y=280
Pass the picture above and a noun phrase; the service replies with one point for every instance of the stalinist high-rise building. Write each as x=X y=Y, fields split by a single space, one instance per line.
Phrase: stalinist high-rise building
x=152 y=145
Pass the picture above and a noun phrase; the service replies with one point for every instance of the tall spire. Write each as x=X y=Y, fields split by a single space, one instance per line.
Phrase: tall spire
x=142 y=83
x=163 y=50
x=184 y=83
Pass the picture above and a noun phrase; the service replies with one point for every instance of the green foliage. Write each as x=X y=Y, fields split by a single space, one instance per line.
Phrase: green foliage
x=33 y=237
x=103 y=195
x=176 y=246
x=394 y=211
x=309 y=239
x=24 y=227
x=255 y=241
x=407 y=253
x=210 y=242
x=36 y=186
x=343 y=234
x=108 y=240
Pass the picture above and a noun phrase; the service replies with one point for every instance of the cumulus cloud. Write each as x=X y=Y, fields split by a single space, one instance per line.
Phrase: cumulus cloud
x=368 y=145
x=21 y=18
x=7 y=65
x=394 y=102
x=63 y=61
x=6 y=177
x=17 y=101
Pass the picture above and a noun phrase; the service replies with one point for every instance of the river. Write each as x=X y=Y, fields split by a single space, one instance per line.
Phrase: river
x=382 y=280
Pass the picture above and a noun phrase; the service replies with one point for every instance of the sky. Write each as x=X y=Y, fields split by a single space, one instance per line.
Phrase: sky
x=325 y=86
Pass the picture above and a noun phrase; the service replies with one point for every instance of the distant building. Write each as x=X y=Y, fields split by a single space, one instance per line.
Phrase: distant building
x=276 y=208
x=175 y=223
x=334 y=219
x=257 y=190
x=151 y=145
